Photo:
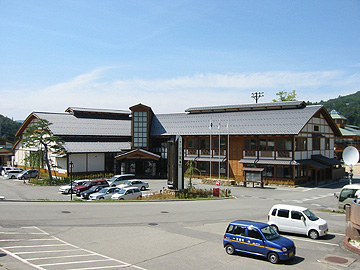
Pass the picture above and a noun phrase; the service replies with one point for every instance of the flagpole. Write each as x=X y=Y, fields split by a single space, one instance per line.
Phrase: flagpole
x=228 y=150
x=210 y=127
x=219 y=147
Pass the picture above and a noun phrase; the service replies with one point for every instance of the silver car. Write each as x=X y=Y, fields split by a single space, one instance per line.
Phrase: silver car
x=129 y=193
x=104 y=193
x=134 y=183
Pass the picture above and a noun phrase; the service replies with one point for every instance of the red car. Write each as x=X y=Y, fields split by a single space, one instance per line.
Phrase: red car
x=87 y=185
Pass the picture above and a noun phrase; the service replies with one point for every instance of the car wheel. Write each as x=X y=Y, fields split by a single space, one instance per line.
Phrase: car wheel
x=313 y=234
x=142 y=188
x=121 y=199
x=139 y=198
x=275 y=228
x=230 y=249
x=12 y=177
x=101 y=198
x=273 y=257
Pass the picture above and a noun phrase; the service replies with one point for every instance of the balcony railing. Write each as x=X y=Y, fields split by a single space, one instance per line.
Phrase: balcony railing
x=205 y=153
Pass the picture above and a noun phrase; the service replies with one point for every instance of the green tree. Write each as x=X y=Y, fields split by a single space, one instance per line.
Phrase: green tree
x=286 y=96
x=190 y=171
x=38 y=135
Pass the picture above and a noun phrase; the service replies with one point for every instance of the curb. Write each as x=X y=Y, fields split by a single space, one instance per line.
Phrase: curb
x=350 y=247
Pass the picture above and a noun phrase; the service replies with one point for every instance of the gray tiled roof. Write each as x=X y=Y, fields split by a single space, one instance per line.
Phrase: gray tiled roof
x=81 y=109
x=96 y=147
x=259 y=122
x=68 y=124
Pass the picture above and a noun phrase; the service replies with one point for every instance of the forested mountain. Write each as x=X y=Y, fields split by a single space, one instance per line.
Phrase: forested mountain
x=348 y=106
x=8 y=128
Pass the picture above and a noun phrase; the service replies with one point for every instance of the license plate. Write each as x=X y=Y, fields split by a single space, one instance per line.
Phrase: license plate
x=291 y=254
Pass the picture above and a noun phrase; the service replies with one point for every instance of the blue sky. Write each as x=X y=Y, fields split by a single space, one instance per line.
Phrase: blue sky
x=172 y=55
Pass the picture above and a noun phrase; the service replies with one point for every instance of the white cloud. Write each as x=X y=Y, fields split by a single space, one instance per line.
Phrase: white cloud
x=96 y=90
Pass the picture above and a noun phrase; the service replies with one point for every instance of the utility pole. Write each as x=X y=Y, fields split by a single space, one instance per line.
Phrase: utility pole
x=257 y=95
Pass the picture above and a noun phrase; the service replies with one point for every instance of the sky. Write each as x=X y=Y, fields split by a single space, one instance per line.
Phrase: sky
x=173 y=55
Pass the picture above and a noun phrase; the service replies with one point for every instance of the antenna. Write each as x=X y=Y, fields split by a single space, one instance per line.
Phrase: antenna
x=351 y=158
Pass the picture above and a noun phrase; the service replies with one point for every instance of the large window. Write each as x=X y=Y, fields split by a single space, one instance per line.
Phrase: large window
x=193 y=143
x=222 y=143
x=205 y=143
x=140 y=129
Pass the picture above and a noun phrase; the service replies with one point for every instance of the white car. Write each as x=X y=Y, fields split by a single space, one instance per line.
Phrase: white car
x=134 y=183
x=104 y=193
x=129 y=193
x=120 y=179
x=12 y=174
x=67 y=189
x=296 y=219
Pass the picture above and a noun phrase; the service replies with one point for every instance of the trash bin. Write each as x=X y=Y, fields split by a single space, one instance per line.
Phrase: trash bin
x=216 y=192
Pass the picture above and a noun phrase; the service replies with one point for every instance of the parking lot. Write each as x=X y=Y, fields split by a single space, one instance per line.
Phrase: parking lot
x=156 y=235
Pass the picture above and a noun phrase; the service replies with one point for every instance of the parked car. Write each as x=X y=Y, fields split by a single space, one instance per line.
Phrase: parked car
x=296 y=219
x=104 y=193
x=85 y=194
x=12 y=174
x=27 y=174
x=80 y=188
x=120 y=179
x=134 y=183
x=5 y=169
x=128 y=193
x=347 y=194
x=67 y=188
x=257 y=238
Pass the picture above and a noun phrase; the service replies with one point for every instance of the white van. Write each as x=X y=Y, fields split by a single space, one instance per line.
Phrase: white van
x=296 y=219
x=347 y=194
x=12 y=174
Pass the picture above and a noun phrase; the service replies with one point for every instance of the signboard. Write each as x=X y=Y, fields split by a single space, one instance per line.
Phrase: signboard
x=175 y=158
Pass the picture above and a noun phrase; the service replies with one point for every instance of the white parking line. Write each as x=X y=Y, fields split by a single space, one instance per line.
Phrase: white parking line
x=312 y=241
x=93 y=257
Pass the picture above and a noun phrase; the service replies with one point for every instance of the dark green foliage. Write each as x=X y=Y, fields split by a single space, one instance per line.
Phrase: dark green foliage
x=348 y=106
x=8 y=128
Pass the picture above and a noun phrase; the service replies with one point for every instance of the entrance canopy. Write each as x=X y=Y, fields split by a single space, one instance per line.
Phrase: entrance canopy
x=138 y=154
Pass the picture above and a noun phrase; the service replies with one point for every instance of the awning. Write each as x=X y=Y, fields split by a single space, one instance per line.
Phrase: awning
x=138 y=154
x=205 y=159
x=313 y=163
x=326 y=160
x=253 y=169
x=268 y=161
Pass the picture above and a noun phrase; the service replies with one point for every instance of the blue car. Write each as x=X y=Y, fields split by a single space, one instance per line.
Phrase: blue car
x=259 y=239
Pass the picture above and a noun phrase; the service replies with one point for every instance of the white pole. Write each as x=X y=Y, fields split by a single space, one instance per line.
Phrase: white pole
x=219 y=147
x=210 y=127
x=228 y=150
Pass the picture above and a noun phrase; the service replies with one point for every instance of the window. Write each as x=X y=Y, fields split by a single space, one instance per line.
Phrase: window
x=296 y=215
x=268 y=170
x=283 y=171
x=222 y=143
x=250 y=144
x=283 y=144
x=192 y=143
x=316 y=128
x=204 y=143
x=140 y=129
x=300 y=144
x=273 y=213
x=254 y=234
x=315 y=143
x=239 y=230
x=327 y=143
x=283 y=213
x=267 y=144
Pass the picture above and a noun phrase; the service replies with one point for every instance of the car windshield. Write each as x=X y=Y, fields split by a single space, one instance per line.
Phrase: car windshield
x=128 y=182
x=270 y=233
x=122 y=191
x=310 y=215
x=87 y=184
x=93 y=188
x=103 y=190
x=113 y=178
